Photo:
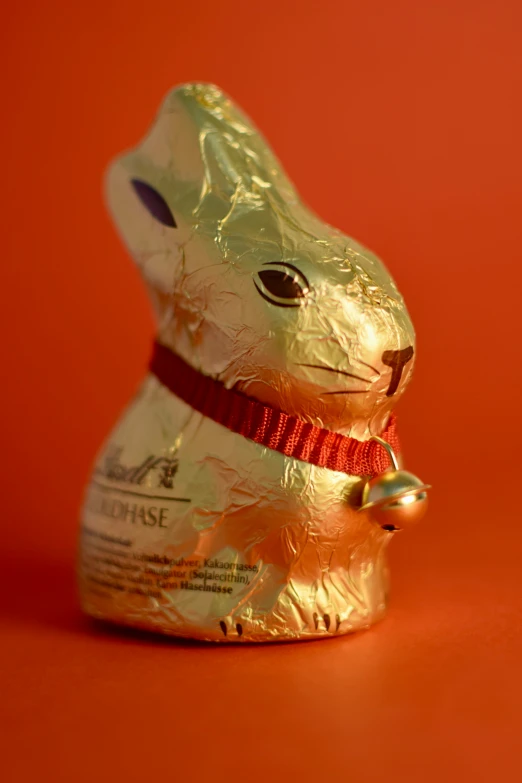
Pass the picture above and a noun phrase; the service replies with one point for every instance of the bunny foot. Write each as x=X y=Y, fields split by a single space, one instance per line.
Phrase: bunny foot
x=234 y=629
x=330 y=622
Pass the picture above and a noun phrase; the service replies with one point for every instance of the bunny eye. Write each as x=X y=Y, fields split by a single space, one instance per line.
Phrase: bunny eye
x=154 y=203
x=284 y=285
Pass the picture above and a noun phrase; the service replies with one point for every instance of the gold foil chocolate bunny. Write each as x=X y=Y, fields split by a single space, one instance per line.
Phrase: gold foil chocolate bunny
x=226 y=504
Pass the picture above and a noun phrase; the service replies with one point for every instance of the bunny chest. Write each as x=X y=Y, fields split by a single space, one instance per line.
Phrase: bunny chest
x=184 y=485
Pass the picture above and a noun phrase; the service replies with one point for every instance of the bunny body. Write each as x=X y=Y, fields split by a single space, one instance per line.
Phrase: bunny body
x=189 y=528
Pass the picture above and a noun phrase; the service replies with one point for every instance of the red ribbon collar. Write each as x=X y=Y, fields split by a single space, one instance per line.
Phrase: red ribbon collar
x=268 y=426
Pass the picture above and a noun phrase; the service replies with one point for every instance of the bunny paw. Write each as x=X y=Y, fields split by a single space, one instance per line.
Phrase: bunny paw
x=328 y=621
x=231 y=629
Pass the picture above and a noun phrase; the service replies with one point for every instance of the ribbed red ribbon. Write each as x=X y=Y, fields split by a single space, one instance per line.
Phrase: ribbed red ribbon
x=268 y=426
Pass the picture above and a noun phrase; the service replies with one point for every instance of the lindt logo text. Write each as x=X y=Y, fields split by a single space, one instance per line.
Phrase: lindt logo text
x=112 y=468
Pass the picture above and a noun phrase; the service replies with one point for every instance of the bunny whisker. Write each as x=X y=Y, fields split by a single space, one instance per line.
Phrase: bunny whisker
x=376 y=371
x=345 y=391
x=330 y=369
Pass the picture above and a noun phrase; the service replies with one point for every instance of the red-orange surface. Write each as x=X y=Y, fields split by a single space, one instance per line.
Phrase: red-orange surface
x=401 y=122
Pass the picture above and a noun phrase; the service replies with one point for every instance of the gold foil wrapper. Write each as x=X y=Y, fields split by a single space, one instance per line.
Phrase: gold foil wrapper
x=188 y=528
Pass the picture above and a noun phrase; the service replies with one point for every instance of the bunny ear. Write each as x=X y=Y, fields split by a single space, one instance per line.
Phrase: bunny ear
x=230 y=142
x=236 y=158
x=202 y=161
x=200 y=155
x=151 y=192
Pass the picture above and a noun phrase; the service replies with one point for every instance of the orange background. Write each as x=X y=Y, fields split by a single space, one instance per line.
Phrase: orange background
x=401 y=122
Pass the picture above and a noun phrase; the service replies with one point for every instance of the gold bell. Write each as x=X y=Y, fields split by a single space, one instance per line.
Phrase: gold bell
x=395 y=499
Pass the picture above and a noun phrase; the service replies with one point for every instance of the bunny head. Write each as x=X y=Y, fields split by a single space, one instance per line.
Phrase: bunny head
x=248 y=285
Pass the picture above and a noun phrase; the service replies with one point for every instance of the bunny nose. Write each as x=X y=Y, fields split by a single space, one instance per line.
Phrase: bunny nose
x=397 y=360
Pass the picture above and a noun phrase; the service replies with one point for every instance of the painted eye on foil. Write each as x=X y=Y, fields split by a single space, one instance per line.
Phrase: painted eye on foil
x=283 y=284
